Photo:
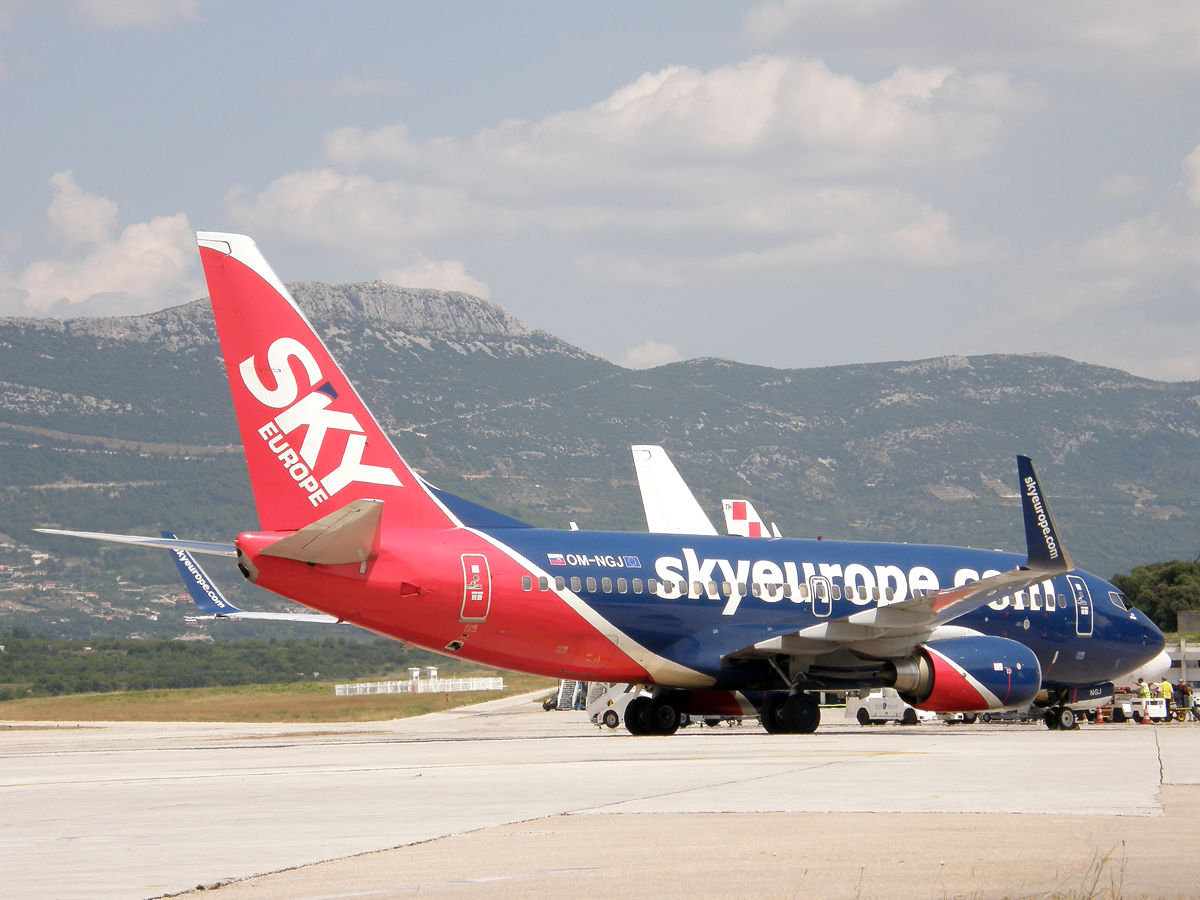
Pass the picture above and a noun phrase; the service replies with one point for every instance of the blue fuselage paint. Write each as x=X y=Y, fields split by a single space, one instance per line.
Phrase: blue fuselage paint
x=697 y=631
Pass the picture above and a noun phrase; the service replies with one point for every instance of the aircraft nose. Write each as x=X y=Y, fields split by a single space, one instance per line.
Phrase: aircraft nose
x=1152 y=636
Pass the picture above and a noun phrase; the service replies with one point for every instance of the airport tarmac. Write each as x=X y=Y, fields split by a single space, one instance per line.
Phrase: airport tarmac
x=505 y=800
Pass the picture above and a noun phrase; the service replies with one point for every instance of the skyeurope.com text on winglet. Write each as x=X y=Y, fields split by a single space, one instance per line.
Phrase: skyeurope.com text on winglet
x=1044 y=547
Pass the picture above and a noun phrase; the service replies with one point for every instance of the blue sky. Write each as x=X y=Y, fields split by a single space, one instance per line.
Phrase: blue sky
x=786 y=183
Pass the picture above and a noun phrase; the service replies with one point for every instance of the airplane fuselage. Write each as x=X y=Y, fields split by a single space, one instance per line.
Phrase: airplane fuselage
x=620 y=614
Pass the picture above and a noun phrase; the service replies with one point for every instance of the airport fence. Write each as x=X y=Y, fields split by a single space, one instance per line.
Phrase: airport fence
x=419 y=686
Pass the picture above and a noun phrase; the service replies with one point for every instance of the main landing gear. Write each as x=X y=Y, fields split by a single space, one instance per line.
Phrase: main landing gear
x=655 y=715
x=795 y=714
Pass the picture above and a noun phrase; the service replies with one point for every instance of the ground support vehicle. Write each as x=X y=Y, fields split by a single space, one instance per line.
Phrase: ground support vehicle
x=607 y=703
x=882 y=706
x=1023 y=716
x=1129 y=706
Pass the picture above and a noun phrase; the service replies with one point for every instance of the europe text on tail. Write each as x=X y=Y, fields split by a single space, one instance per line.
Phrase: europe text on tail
x=351 y=531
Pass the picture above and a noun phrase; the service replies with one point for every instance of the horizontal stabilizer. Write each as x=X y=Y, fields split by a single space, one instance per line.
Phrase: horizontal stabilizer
x=141 y=541
x=350 y=535
x=210 y=601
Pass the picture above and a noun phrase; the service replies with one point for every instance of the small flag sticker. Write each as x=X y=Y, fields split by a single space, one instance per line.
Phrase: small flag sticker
x=556 y=559
x=632 y=562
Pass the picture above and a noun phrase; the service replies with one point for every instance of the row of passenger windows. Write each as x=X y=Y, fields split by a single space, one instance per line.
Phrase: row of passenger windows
x=771 y=591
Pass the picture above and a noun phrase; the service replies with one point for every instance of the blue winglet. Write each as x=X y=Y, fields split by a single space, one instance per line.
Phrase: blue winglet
x=1045 y=549
x=205 y=594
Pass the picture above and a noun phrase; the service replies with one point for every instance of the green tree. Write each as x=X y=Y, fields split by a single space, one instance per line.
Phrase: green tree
x=1162 y=589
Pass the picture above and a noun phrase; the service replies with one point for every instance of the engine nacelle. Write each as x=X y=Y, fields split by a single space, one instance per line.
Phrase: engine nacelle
x=971 y=674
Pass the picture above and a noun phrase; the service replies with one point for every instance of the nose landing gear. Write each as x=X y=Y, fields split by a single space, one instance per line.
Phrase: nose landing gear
x=1061 y=718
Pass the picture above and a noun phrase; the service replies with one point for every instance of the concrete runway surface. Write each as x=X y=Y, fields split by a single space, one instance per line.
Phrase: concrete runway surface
x=505 y=800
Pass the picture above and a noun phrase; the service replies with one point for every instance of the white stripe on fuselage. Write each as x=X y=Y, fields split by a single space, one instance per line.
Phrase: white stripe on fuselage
x=661 y=669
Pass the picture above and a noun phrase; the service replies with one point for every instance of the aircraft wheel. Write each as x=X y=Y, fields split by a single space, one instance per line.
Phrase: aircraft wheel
x=1051 y=719
x=660 y=717
x=772 y=719
x=910 y=717
x=986 y=718
x=970 y=718
x=611 y=719
x=801 y=714
x=864 y=718
x=1066 y=718
x=633 y=715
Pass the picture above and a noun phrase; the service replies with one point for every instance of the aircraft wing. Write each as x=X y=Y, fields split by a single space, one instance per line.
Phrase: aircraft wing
x=210 y=601
x=1046 y=558
x=669 y=504
x=883 y=628
x=141 y=541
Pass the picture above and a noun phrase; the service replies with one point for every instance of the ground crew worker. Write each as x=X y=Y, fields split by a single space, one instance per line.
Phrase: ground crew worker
x=1143 y=690
x=1168 y=694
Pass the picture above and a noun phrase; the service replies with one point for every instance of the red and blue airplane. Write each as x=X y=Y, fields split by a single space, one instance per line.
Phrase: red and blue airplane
x=349 y=530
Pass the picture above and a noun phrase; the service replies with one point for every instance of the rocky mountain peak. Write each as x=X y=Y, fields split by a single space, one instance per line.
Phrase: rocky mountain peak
x=409 y=309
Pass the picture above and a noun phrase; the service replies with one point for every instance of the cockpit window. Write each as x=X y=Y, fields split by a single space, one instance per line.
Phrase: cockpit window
x=1118 y=599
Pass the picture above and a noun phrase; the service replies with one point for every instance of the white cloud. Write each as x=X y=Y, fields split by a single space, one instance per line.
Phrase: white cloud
x=148 y=266
x=1121 y=188
x=1118 y=39
x=1125 y=293
x=772 y=162
x=649 y=354
x=1191 y=175
x=76 y=217
x=122 y=14
x=447 y=275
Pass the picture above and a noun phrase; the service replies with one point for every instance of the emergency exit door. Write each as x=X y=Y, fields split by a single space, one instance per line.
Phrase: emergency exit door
x=822 y=595
x=1083 y=606
x=477 y=588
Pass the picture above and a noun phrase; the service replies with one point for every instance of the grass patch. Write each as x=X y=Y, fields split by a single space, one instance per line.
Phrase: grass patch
x=253 y=703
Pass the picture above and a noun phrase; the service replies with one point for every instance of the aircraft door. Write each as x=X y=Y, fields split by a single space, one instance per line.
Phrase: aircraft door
x=477 y=588
x=1083 y=606
x=822 y=595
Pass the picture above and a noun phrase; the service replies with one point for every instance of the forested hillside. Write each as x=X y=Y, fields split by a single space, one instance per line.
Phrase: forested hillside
x=126 y=425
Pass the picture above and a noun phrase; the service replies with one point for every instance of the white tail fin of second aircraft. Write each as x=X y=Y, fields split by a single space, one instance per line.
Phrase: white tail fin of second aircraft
x=742 y=518
x=669 y=504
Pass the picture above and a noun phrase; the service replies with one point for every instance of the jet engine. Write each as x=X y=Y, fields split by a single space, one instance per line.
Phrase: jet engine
x=971 y=674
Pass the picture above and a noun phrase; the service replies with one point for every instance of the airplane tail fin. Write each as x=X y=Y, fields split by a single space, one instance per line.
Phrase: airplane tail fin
x=742 y=518
x=669 y=504
x=311 y=444
x=208 y=599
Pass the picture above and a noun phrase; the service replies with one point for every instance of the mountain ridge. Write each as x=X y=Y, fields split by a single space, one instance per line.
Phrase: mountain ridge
x=125 y=424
